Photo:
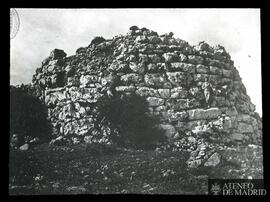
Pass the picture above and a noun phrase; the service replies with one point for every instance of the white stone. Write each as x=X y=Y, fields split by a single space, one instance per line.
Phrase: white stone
x=154 y=101
x=214 y=160
x=24 y=147
x=211 y=113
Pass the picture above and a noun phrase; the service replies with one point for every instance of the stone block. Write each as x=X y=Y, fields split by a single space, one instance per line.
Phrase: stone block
x=139 y=68
x=202 y=69
x=128 y=79
x=161 y=67
x=180 y=66
x=177 y=78
x=178 y=104
x=156 y=80
x=179 y=92
x=182 y=58
x=152 y=68
x=245 y=128
x=182 y=104
x=200 y=77
x=164 y=93
x=215 y=79
x=85 y=80
x=154 y=101
x=226 y=73
x=154 y=40
x=170 y=57
x=244 y=118
x=187 y=125
x=154 y=58
x=211 y=62
x=143 y=58
x=148 y=92
x=125 y=88
x=215 y=70
x=53 y=98
x=173 y=116
x=231 y=111
x=211 y=113
x=220 y=101
x=237 y=137
x=194 y=59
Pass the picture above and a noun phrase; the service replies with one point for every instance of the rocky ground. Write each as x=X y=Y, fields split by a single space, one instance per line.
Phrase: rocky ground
x=48 y=169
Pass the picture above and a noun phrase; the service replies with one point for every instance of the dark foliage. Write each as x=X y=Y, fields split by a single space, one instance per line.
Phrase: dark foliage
x=28 y=116
x=97 y=40
x=133 y=28
x=129 y=115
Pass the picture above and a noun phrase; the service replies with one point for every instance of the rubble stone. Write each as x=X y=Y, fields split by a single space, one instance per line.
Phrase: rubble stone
x=167 y=71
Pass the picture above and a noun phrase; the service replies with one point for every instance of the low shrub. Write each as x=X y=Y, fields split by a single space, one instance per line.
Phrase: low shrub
x=129 y=115
x=28 y=116
x=97 y=40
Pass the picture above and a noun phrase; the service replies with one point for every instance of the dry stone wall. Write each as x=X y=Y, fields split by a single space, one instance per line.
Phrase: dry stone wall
x=168 y=71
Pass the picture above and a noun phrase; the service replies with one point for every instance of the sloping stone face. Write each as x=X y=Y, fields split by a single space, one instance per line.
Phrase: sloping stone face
x=169 y=72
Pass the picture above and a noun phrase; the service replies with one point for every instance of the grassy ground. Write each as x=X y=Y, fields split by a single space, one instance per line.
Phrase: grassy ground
x=75 y=170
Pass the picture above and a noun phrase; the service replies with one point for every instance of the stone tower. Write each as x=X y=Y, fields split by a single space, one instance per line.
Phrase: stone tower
x=192 y=89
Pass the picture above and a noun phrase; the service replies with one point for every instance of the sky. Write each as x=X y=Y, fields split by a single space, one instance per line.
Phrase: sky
x=42 y=30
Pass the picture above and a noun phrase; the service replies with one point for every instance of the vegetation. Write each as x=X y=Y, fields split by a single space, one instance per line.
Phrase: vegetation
x=28 y=116
x=97 y=40
x=133 y=28
x=129 y=115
